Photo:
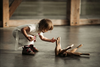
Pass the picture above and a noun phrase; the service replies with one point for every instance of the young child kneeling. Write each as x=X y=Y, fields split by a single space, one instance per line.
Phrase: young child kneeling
x=27 y=35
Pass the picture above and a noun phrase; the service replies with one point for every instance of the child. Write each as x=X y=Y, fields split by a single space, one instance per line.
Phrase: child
x=64 y=52
x=27 y=35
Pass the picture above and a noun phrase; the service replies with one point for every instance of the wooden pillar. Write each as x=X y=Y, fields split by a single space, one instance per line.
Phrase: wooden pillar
x=5 y=16
x=1 y=24
x=73 y=12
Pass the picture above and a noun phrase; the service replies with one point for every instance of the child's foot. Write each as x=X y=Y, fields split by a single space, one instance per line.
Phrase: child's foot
x=33 y=48
x=79 y=46
x=27 y=51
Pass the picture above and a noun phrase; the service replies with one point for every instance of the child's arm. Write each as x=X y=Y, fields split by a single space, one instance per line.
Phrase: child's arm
x=24 y=31
x=46 y=39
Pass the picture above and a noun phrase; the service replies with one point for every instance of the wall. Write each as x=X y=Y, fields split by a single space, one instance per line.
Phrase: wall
x=0 y=10
x=38 y=9
x=54 y=9
x=90 y=8
x=1 y=24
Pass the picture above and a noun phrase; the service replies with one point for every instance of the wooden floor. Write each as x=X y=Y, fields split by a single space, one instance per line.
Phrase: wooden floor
x=89 y=36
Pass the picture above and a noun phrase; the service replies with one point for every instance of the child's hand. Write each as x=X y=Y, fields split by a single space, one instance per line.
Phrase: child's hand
x=30 y=38
x=53 y=40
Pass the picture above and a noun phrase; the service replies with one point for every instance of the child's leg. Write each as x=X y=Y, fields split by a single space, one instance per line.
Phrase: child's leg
x=21 y=40
x=17 y=35
x=73 y=50
x=31 y=45
x=58 y=46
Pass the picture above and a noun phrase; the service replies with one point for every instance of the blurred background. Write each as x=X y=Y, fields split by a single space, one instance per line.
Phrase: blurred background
x=54 y=9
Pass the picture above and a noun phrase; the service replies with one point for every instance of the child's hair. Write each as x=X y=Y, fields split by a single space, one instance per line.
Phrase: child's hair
x=45 y=24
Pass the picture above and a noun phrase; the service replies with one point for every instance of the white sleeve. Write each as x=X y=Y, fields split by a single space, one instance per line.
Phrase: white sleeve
x=42 y=34
x=32 y=27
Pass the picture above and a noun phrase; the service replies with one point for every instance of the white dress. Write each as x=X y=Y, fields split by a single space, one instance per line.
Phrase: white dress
x=22 y=40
